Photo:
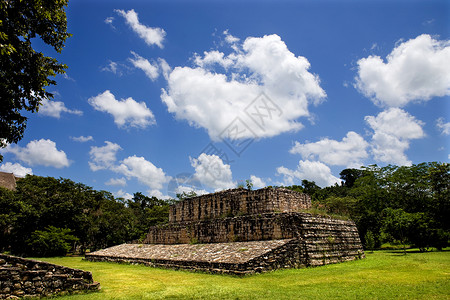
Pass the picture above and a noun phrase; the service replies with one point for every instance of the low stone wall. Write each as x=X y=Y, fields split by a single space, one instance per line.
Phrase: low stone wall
x=238 y=202
x=21 y=277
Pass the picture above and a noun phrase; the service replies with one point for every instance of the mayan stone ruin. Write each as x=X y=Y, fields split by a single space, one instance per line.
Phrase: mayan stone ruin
x=27 y=278
x=241 y=231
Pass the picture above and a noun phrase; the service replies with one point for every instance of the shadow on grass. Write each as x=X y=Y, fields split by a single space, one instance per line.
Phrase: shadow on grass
x=397 y=252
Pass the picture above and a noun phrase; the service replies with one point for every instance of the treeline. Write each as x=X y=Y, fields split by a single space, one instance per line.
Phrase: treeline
x=408 y=205
x=47 y=217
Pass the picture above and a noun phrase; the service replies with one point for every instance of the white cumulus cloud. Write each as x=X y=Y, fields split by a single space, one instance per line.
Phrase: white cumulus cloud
x=443 y=126
x=55 y=108
x=104 y=157
x=349 y=152
x=126 y=112
x=257 y=182
x=117 y=182
x=393 y=130
x=123 y=194
x=415 y=70
x=82 y=139
x=311 y=171
x=221 y=87
x=212 y=172
x=41 y=152
x=16 y=168
x=144 y=171
x=151 y=35
x=150 y=70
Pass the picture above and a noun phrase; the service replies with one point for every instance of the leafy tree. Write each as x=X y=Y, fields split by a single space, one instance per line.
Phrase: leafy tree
x=24 y=72
x=344 y=206
x=52 y=241
x=349 y=176
x=148 y=211
x=397 y=225
x=369 y=240
x=310 y=188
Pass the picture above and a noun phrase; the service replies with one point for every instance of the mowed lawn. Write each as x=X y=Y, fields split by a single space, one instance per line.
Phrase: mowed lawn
x=382 y=275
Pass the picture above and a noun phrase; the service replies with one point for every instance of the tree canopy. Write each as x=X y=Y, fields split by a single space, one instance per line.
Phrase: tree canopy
x=25 y=73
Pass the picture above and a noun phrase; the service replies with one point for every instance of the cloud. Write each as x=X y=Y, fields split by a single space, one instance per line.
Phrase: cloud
x=109 y=20
x=165 y=68
x=151 y=35
x=212 y=172
x=102 y=158
x=442 y=126
x=229 y=38
x=123 y=194
x=16 y=168
x=55 y=108
x=311 y=171
x=82 y=139
x=416 y=70
x=349 y=152
x=393 y=129
x=40 y=153
x=150 y=70
x=117 y=182
x=257 y=182
x=113 y=67
x=127 y=112
x=187 y=189
x=221 y=87
x=144 y=171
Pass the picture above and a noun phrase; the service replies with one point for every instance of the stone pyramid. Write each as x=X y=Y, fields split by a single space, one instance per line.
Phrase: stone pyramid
x=241 y=231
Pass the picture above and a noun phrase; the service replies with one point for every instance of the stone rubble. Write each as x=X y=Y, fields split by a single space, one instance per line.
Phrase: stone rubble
x=20 y=277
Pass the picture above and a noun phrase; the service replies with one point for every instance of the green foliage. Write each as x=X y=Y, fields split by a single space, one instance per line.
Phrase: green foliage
x=148 y=211
x=369 y=241
x=95 y=218
x=409 y=204
x=186 y=195
x=24 y=73
x=249 y=184
x=52 y=241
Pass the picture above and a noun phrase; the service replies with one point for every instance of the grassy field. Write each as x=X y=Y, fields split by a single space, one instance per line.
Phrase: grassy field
x=382 y=275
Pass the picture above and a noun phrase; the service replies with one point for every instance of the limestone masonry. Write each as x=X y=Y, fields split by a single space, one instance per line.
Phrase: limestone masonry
x=241 y=232
x=20 y=277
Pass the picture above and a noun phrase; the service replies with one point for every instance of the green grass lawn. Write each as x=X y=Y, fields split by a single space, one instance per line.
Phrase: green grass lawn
x=382 y=275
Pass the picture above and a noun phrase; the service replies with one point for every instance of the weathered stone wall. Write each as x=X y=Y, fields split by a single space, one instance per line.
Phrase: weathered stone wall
x=238 y=202
x=21 y=277
x=270 y=226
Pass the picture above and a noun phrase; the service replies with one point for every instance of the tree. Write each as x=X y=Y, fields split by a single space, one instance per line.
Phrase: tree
x=24 y=72
x=349 y=176
x=397 y=225
x=52 y=241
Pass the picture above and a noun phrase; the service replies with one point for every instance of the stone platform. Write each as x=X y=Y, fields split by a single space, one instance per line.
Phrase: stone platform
x=238 y=258
x=241 y=232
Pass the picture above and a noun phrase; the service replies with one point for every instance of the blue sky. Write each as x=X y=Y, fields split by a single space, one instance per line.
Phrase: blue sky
x=167 y=96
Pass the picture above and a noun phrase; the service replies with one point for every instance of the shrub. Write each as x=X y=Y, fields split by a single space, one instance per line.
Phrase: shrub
x=52 y=241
